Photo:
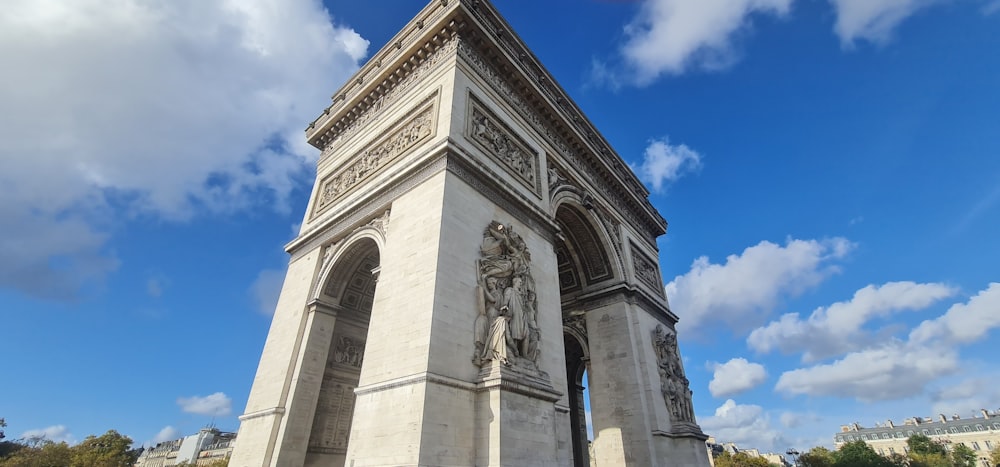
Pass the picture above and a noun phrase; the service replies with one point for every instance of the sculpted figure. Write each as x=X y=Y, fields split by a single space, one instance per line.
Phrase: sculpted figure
x=506 y=326
x=673 y=383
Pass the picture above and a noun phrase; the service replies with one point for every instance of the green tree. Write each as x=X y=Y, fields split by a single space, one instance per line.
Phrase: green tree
x=42 y=453
x=859 y=454
x=921 y=444
x=929 y=460
x=995 y=457
x=963 y=456
x=740 y=459
x=817 y=457
x=108 y=450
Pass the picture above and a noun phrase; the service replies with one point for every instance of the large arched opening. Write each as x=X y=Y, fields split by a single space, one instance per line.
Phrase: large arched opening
x=348 y=292
x=585 y=266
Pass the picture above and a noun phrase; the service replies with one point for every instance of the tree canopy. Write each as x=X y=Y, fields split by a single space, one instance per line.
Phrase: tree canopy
x=740 y=459
x=108 y=450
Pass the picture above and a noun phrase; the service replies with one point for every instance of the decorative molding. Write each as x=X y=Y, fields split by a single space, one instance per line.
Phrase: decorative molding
x=502 y=144
x=416 y=379
x=334 y=224
x=492 y=186
x=641 y=214
x=374 y=80
x=334 y=138
x=418 y=126
x=276 y=411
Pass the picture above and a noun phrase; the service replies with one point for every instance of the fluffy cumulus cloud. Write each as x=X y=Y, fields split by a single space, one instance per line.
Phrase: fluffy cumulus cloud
x=742 y=291
x=735 y=376
x=891 y=371
x=155 y=108
x=216 y=405
x=55 y=433
x=963 y=323
x=873 y=20
x=839 y=328
x=744 y=424
x=665 y=163
x=671 y=36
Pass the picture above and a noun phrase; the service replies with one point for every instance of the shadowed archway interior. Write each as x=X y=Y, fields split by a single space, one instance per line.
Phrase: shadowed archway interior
x=350 y=291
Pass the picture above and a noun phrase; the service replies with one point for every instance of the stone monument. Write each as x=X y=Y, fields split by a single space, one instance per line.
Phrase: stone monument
x=472 y=248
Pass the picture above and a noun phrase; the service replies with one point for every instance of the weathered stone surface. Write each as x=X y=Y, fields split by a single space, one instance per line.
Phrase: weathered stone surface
x=472 y=246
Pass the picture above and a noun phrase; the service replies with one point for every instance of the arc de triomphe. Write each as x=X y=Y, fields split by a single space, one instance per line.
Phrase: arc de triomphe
x=472 y=248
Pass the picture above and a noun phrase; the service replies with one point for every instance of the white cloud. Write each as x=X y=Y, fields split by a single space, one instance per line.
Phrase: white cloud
x=735 y=376
x=963 y=323
x=967 y=397
x=671 y=36
x=154 y=108
x=742 y=291
x=991 y=7
x=795 y=420
x=217 y=404
x=665 y=163
x=837 y=329
x=892 y=371
x=55 y=433
x=266 y=288
x=872 y=20
x=746 y=425
x=168 y=433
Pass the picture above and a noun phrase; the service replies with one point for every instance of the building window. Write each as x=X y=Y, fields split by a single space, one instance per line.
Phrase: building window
x=989 y=444
x=909 y=432
x=892 y=450
x=953 y=430
x=966 y=428
x=980 y=428
x=938 y=431
x=864 y=437
x=886 y=436
x=975 y=445
x=928 y=432
x=899 y=434
x=996 y=426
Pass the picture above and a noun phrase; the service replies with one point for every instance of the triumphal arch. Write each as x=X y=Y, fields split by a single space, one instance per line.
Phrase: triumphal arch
x=472 y=248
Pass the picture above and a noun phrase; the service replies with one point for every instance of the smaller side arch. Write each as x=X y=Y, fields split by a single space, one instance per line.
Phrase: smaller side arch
x=339 y=252
x=585 y=248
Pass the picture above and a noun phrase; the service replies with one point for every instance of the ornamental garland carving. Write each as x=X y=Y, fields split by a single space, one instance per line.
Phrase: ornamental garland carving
x=500 y=143
x=506 y=329
x=376 y=157
x=673 y=384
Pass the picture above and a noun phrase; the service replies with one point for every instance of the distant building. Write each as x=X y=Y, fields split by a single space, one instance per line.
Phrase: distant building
x=716 y=449
x=205 y=447
x=981 y=434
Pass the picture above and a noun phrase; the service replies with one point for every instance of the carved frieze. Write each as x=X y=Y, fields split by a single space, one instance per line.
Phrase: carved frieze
x=646 y=270
x=673 y=384
x=502 y=144
x=414 y=129
x=347 y=351
x=573 y=156
x=506 y=329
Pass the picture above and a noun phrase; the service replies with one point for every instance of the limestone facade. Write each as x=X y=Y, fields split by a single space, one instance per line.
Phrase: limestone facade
x=472 y=247
x=979 y=433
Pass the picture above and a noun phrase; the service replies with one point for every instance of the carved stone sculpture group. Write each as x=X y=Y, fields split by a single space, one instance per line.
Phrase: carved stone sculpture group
x=673 y=383
x=506 y=326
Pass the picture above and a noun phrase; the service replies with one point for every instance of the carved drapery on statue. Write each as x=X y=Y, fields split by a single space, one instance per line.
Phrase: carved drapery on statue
x=506 y=327
x=673 y=383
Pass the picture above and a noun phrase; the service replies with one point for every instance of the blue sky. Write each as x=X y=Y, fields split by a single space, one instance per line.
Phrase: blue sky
x=830 y=170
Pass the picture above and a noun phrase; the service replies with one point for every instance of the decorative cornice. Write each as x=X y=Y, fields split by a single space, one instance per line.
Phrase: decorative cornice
x=275 y=411
x=407 y=133
x=374 y=85
x=635 y=208
x=411 y=380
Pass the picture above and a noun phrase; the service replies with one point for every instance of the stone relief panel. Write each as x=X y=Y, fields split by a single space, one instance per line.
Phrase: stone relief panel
x=501 y=143
x=417 y=127
x=647 y=270
x=506 y=329
x=673 y=384
x=335 y=406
